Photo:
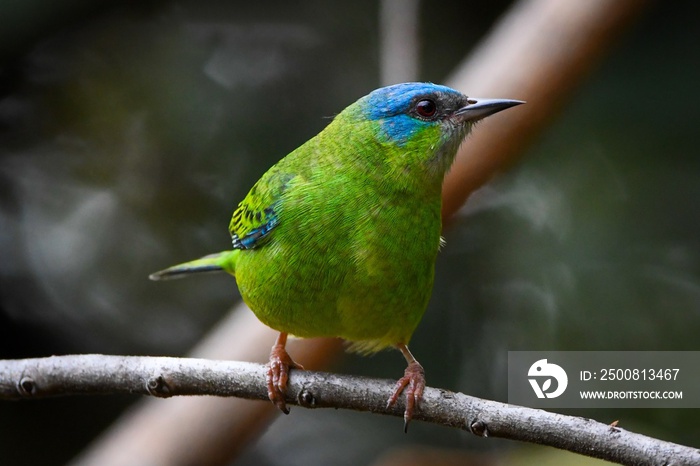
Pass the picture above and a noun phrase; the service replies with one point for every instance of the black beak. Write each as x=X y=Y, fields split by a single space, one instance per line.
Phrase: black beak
x=476 y=109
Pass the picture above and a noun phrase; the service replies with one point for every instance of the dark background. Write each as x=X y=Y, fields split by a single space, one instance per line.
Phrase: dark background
x=130 y=130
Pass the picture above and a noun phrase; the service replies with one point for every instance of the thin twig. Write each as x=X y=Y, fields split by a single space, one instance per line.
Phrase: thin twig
x=166 y=377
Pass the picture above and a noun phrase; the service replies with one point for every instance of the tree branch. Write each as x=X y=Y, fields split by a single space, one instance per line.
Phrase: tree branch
x=165 y=377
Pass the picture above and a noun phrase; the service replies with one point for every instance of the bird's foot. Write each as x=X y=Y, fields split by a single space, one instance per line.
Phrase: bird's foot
x=278 y=375
x=413 y=384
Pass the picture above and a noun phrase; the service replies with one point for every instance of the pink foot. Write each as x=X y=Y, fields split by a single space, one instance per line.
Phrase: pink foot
x=413 y=384
x=278 y=373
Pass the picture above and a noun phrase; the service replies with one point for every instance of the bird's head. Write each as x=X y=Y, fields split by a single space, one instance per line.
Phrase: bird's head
x=425 y=122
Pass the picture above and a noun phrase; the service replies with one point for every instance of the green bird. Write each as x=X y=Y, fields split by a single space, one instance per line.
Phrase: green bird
x=340 y=237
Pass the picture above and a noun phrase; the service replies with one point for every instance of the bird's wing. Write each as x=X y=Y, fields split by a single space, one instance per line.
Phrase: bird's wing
x=258 y=214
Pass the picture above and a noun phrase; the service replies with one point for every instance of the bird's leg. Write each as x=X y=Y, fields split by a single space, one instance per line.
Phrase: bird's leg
x=278 y=373
x=412 y=382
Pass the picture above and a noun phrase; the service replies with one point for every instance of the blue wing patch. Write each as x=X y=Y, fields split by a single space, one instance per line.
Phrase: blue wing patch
x=255 y=236
x=258 y=214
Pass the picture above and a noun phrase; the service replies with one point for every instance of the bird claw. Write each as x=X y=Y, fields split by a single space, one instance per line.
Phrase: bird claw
x=277 y=376
x=413 y=384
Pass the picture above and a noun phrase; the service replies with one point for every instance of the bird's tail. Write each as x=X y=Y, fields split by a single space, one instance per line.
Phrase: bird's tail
x=224 y=261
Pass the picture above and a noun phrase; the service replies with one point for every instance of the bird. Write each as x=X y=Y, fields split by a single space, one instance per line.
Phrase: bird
x=340 y=237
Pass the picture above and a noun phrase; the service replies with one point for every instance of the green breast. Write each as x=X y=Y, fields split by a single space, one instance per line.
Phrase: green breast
x=344 y=263
x=353 y=252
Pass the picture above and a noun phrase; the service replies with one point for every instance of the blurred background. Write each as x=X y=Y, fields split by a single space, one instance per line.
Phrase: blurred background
x=129 y=131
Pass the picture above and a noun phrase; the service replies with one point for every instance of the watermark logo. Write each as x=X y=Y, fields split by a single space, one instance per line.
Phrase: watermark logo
x=604 y=379
x=546 y=372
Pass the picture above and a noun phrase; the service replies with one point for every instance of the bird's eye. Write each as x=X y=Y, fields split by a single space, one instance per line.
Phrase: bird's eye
x=426 y=108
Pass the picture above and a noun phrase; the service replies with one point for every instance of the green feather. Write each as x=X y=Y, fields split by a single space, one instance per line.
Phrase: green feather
x=219 y=262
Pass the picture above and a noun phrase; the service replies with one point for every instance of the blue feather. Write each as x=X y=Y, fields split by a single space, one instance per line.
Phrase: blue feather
x=390 y=106
x=253 y=237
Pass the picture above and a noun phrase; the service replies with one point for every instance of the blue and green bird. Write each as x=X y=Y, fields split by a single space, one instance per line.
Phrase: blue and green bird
x=340 y=237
